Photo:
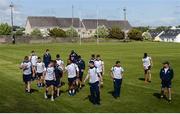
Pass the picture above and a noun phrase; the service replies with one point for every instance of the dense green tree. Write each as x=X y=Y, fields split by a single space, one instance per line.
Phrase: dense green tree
x=36 y=33
x=116 y=33
x=5 y=29
x=135 y=34
x=101 y=32
x=57 y=32
x=71 y=32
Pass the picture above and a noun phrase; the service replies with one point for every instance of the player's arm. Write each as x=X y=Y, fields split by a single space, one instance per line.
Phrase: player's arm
x=111 y=74
x=103 y=67
x=100 y=76
x=151 y=61
x=87 y=77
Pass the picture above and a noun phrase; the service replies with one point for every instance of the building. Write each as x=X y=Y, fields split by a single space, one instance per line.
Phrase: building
x=84 y=27
x=172 y=35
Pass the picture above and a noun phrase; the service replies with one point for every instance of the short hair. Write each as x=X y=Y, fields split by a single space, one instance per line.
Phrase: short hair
x=32 y=51
x=98 y=56
x=47 y=50
x=145 y=55
x=57 y=56
x=79 y=56
x=39 y=57
x=117 y=62
x=91 y=62
x=93 y=55
x=26 y=58
x=166 y=62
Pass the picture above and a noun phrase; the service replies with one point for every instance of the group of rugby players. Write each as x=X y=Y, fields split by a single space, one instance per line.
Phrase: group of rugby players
x=48 y=74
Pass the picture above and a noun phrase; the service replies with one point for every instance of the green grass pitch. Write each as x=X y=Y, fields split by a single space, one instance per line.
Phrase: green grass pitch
x=136 y=96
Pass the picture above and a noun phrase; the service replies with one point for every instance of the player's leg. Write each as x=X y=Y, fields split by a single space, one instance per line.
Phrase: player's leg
x=169 y=94
x=97 y=93
x=92 y=93
x=146 y=76
x=46 y=90
x=149 y=75
x=52 y=92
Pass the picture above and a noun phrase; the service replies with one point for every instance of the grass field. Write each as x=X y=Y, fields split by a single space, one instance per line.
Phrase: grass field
x=136 y=96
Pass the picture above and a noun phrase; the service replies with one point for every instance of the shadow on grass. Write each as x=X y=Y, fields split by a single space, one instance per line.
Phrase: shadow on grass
x=157 y=95
x=34 y=90
x=142 y=79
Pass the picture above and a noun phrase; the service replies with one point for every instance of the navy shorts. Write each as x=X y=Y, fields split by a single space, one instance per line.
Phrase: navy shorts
x=39 y=75
x=166 y=84
x=27 y=78
x=49 y=83
x=71 y=80
x=57 y=83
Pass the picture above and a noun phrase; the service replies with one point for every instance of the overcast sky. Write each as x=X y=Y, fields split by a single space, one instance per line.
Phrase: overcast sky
x=139 y=12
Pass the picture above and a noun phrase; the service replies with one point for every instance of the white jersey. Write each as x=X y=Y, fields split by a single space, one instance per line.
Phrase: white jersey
x=40 y=67
x=99 y=65
x=60 y=63
x=93 y=75
x=34 y=60
x=49 y=73
x=72 y=70
x=117 y=72
x=27 y=68
x=146 y=62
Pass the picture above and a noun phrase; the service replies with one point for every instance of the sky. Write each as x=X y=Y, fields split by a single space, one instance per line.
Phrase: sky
x=139 y=12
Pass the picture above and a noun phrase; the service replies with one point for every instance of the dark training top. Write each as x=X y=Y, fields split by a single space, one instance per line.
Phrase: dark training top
x=46 y=59
x=166 y=76
x=81 y=64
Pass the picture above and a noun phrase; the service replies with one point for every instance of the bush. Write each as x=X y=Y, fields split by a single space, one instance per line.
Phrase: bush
x=71 y=32
x=116 y=33
x=147 y=36
x=102 y=32
x=19 y=32
x=36 y=33
x=57 y=32
x=5 y=29
x=135 y=34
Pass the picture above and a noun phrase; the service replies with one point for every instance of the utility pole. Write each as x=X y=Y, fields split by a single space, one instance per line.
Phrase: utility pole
x=125 y=19
x=80 y=35
x=97 y=27
x=12 y=23
x=72 y=21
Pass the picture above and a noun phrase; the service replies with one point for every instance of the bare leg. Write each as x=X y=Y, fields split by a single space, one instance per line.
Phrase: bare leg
x=162 y=92
x=52 y=93
x=169 y=93
x=29 y=86
x=145 y=77
x=149 y=77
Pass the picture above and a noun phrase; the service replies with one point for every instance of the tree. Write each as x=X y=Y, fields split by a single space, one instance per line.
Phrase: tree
x=36 y=33
x=135 y=34
x=71 y=32
x=101 y=32
x=162 y=28
x=116 y=33
x=20 y=31
x=147 y=36
x=57 y=32
x=142 y=29
x=5 y=29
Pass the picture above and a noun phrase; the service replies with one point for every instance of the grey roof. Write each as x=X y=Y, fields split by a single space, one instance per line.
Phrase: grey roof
x=92 y=23
x=170 y=34
x=45 y=21
x=121 y=23
x=154 y=33
x=52 y=22
x=67 y=22
x=42 y=21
